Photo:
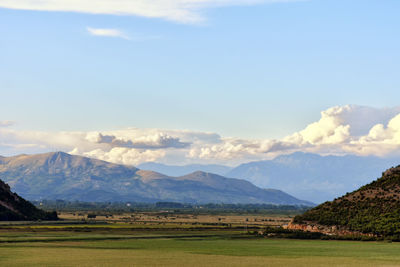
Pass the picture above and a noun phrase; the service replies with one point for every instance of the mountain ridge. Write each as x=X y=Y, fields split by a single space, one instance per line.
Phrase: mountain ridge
x=180 y=170
x=312 y=176
x=304 y=175
x=64 y=176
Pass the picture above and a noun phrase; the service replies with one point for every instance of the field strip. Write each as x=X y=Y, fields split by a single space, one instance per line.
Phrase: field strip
x=28 y=240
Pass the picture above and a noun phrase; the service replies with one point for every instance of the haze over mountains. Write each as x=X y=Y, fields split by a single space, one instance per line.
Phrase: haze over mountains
x=63 y=176
x=305 y=175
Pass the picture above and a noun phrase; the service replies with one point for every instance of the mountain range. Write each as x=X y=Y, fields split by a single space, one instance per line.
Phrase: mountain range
x=63 y=176
x=304 y=175
x=314 y=177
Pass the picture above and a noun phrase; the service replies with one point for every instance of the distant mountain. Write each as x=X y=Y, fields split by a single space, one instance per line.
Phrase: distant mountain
x=200 y=186
x=63 y=176
x=15 y=208
x=311 y=176
x=374 y=209
x=176 y=170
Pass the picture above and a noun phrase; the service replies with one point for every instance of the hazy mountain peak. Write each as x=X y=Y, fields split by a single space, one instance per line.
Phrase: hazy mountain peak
x=181 y=170
x=150 y=175
x=200 y=174
x=204 y=176
x=312 y=176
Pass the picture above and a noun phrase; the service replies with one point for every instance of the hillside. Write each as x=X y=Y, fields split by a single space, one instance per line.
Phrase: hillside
x=63 y=176
x=374 y=208
x=15 y=208
x=311 y=176
x=175 y=170
x=217 y=189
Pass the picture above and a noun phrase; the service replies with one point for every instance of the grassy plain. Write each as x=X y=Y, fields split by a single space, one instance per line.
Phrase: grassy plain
x=162 y=243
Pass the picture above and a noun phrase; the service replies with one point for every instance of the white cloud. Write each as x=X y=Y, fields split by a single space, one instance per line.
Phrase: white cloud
x=185 y=11
x=347 y=129
x=153 y=141
x=108 y=33
x=381 y=140
x=340 y=130
x=6 y=123
x=123 y=155
x=342 y=123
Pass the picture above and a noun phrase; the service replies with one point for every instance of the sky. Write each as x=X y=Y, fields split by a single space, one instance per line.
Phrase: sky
x=184 y=81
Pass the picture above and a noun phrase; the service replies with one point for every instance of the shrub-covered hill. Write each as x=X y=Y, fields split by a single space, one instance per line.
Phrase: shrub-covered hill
x=15 y=208
x=374 y=208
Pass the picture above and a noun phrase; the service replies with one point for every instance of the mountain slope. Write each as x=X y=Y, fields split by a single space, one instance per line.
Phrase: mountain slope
x=374 y=208
x=60 y=175
x=311 y=176
x=175 y=170
x=202 y=185
x=63 y=176
x=13 y=207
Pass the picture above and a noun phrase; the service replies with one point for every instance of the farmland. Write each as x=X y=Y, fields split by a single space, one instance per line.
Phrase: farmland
x=155 y=239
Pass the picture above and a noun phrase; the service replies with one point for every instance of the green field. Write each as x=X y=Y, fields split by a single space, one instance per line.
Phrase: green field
x=91 y=245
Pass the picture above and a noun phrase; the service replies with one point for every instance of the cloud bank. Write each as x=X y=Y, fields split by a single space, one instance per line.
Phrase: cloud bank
x=6 y=123
x=347 y=129
x=184 y=11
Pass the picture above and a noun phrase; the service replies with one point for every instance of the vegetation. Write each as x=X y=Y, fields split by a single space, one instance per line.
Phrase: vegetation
x=14 y=208
x=118 y=246
x=374 y=208
x=27 y=211
x=178 y=239
x=186 y=208
x=279 y=232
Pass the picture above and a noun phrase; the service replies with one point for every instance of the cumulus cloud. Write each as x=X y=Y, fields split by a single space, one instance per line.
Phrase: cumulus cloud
x=128 y=146
x=123 y=155
x=236 y=150
x=340 y=130
x=108 y=33
x=185 y=11
x=153 y=141
x=381 y=140
x=352 y=129
x=347 y=129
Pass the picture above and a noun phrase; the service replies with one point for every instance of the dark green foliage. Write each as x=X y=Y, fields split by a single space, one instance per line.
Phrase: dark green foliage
x=374 y=208
x=176 y=205
x=279 y=232
x=186 y=208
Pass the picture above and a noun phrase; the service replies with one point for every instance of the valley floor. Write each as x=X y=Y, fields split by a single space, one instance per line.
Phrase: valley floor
x=194 y=251
x=124 y=244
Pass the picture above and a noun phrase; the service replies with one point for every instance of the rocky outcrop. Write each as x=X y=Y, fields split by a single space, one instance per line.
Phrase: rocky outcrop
x=327 y=230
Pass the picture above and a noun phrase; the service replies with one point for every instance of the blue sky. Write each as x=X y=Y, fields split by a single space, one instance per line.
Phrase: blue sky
x=253 y=71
